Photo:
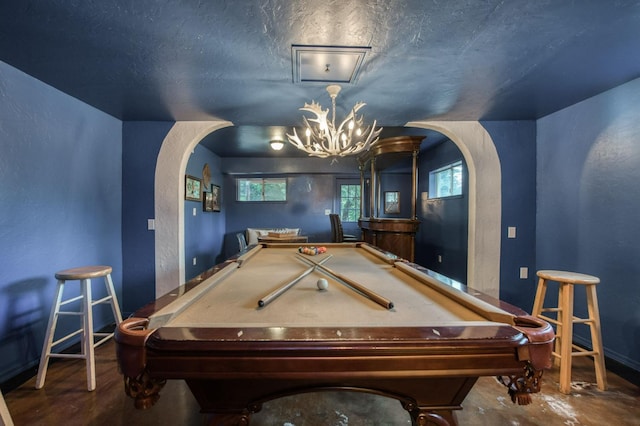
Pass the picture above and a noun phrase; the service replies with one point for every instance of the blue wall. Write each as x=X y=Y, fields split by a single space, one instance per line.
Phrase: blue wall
x=515 y=142
x=308 y=195
x=587 y=211
x=444 y=222
x=311 y=189
x=60 y=207
x=141 y=144
x=204 y=232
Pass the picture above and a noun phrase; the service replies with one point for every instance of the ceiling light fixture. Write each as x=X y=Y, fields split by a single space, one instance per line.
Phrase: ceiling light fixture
x=324 y=139
x=276 y=145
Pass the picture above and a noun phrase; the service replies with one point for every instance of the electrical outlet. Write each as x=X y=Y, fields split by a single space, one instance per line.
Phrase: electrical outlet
x=327 y=212
x=511 y=232
x=151 y=224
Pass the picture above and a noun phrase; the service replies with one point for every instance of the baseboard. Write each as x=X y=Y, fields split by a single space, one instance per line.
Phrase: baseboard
x=17 y=380
x=629 y=374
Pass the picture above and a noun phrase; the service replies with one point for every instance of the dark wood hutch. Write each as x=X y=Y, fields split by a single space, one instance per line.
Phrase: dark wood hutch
x=380 y=227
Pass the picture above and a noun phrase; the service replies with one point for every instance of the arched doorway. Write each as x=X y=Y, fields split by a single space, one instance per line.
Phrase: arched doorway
x=484 y=199
x=169 y=199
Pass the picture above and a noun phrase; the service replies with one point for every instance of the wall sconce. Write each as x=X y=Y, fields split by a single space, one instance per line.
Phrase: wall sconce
x=276 y=145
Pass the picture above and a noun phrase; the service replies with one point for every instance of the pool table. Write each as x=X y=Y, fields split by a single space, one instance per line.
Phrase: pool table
x=426 y=347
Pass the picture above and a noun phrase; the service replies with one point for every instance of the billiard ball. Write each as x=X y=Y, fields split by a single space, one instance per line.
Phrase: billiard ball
x=323 y=284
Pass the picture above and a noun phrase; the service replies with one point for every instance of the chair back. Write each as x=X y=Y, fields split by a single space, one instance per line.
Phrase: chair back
x=242 y=242
x=335 y=220
x=337 y=232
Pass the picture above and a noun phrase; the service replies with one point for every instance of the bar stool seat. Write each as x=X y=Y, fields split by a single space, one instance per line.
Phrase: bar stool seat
x=84 y=275
x=564 y=320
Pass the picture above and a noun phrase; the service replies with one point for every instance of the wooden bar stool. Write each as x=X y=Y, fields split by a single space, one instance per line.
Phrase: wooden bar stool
x=564 y=320
x=5 y=417
x=84 y=275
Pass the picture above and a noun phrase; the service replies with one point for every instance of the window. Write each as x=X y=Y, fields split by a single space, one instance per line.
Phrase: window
x=446 y=181
x=349 y=202
x=261 y=189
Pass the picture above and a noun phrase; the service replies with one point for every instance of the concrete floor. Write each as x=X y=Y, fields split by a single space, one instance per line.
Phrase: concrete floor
x=487 y=404
x=65 y=401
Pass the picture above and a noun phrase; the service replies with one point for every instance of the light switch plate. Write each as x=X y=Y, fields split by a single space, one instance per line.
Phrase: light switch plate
x=524 y=273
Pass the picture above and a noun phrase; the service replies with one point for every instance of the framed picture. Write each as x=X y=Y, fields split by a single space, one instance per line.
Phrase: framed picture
x=192 y=188
x=207 y=201
x=391 y=202
x=215 y=198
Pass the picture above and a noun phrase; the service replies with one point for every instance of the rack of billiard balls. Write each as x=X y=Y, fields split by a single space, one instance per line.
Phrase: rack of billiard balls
x=311 y=250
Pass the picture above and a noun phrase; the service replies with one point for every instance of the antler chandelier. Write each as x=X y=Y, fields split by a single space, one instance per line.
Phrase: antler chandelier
x=324 y=139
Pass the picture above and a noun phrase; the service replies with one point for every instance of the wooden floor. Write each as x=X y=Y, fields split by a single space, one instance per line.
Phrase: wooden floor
x=65 y=401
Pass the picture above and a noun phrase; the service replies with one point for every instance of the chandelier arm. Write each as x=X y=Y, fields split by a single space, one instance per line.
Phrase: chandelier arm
x=295 y=141
x=312 y=136
x=373 y=134
x=371 y=138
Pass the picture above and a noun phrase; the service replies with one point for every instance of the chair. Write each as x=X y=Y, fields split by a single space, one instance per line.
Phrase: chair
x=564 y=319
x=242 y=242
x=84 y=275
x=337 y=233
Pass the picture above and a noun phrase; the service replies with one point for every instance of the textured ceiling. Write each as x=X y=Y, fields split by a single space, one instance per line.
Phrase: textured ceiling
x=231 y=60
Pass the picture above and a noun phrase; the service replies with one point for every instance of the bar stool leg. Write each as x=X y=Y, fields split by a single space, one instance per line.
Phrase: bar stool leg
x=48 y=340
x=5 y=416
x=114 y=304
x=87 y=339
x=566 y=338
x=541 y=293
x=557 y=344
x=596 y=337
x=538 y=307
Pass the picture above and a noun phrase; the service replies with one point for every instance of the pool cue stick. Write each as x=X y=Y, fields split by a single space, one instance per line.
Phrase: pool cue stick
x=385 y=303
x=274 y=294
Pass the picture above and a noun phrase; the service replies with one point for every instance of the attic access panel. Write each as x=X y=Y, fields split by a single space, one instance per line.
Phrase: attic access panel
x=327 y=64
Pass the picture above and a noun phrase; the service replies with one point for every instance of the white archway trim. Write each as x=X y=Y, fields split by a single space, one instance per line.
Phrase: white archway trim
x=485 y=200
x=169 y=199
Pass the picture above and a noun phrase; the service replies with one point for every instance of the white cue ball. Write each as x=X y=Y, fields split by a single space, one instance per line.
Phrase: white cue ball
x=323 y=284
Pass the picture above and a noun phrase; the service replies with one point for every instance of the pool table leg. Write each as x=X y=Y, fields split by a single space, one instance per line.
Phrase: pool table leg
x=429 y=417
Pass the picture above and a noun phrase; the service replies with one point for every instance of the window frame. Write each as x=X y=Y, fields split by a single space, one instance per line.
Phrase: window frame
x=357 y=210
x=434 y=194
x=263 y=182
